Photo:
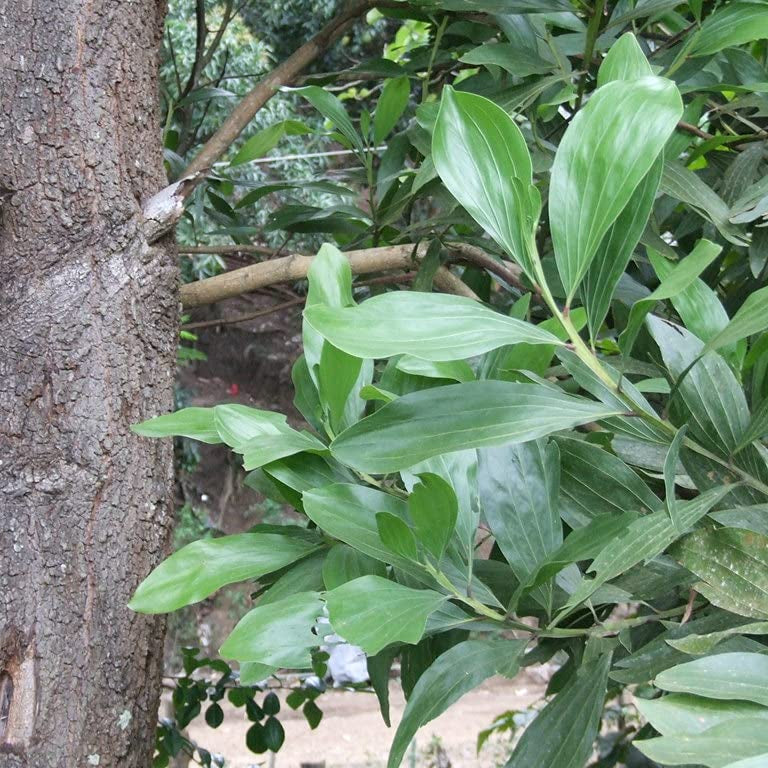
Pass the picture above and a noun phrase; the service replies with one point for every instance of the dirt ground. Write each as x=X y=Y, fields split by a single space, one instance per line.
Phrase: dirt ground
x=353 y=735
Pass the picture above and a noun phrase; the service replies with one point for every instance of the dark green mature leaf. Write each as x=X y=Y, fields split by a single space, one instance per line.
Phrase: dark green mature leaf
x=332 y=109
x=751 y=518
x=751 y=317
x=396 y=535
x=430 y=326
x=758 y=425
x=709 y=397
x=391 y=105
x=733 y=567
x=195 y=423
x=456 y=370
x=200 y=568
x=454 y=673
x=670 y=475
x=518 y=61
x=727 y=676
x=372 y=612
x=595 y=483
x=433 y=508
x=716 y=747
x=519 y=485
x=470 y=415
x=483 y=160
x=563 y=732
x=683 y=713
x=625 y=61
x=599 y=164
x=379 y=667
x=732 y=24
x=344 y=564
x=698 y=645
x=279 y=634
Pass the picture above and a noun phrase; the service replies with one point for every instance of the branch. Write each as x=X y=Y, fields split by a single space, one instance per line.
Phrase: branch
x=291 y=268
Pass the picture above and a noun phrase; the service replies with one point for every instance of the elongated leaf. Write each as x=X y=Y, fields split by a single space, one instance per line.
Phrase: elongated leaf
x=722 y=676
x=563 y=732
x=471 y=415
x=716 y=747
x=758 y=425
x=751 y=518
x=279 y=634
x=758 y=761
x=200 y=568
x=499 y=6
x=645 y=538
x=433 y=507
x=670 y=474
x=456 y=370
x=678 y=279
x=482 y=158
x=434 y=327
x=519 y=485
x=266 y=140
x=698 y=645
x=332 y=109
x=682 y=713
x=372 y=612
x=517 y=61
x=195 y=423
x=752 y=317
x=454 y=673
x=732 y=24
x=709 y=398
x=391 y=105
x=625 y=61
x=600 y=162
x=595 y=483
x=733 y=567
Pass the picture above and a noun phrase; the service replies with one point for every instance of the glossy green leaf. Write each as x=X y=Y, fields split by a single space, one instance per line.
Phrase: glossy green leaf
x=751 y=317
x=433 y=508
x=279 y=634
x=470 y=415
x=624 y=61
x=519 y=486
x=451 y=675
x=482 y=158
x=390 y=107
x=601 y=161
x=520 y=62
x=678 y=279
x=303 y=576
x=716 y=747
x=732 y=24
x=396 y=535
x=563 y=732
x=344 y=564
x=200 y=568
x=456 y=370
x=733 y=567
x=430 y=326
x=195 y=423
x=722 y=676
x=332 y=108
x=683 y=713
x=372 y=612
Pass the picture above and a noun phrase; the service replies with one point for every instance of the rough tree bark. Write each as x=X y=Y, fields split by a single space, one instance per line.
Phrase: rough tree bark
x=87 y=341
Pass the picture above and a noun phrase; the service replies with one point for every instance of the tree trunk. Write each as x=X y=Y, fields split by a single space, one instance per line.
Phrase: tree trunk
x=88 y=316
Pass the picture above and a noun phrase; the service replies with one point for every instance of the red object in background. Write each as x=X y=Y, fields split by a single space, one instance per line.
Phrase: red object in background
x=234 y=389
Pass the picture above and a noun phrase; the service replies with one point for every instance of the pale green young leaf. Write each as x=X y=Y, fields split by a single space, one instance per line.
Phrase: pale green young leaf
x=624 y=61
x=372 y=612
x=451 y=418
x=195 y=423
x=431 y=326
x=197 y=570
x=482 y=158
x=600 y=162
x=390 y=107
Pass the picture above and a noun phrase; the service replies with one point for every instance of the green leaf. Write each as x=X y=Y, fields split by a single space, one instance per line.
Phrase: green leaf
x=709 y=398
x=645 y=538
x=195 y=423
x=601 y=161
x=279 y=634
x=752 y=518
x=733 y=567
x=200 y=568
x=716 y=747
x=433 y=508
x=519 y=486
x=482 y=158
x=758 y=425
x=624 y=61
x=758 y=761
x=435 y=327
x=595 y=483
x=678 y=279
x=520 y=62
x=563 y=732
x=372 y=612
x=344 y=564
x=698 y=645
x=733 y=24
x=670 y=474
x=722 y=676
x=332 y=109
x=470 y=415
x=396 y=535
x=251 y=672
x=390 y=107
x=453 y=673
x=456 y=370
x=682 y=713
x=751 y=317
x=266 y=140
x=379 y=667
